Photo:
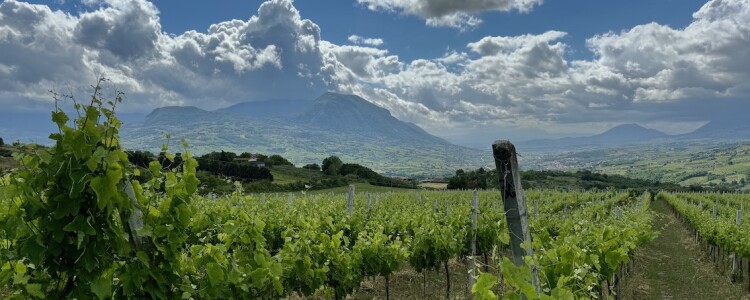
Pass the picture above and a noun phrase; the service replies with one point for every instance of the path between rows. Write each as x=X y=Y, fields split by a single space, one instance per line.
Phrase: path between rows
x=673 y=266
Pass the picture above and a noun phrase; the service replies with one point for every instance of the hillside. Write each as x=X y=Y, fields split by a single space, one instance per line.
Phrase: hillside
x=624 y=134
x=343 y=125
x=727 y=128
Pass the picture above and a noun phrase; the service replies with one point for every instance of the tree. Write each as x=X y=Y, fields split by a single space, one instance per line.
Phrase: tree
x=277 y=160
x=315 y=167
x=332 y=165
x=1 y=142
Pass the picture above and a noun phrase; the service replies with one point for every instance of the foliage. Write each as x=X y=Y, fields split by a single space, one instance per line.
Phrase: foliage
x=332 y=165
x=277 y=160
x=140 y=158
x=80 y=226
x=238 y=170
x=314 y=167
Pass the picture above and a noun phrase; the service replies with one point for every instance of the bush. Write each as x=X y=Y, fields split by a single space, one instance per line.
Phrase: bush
x=332 y=165
x=314 y=167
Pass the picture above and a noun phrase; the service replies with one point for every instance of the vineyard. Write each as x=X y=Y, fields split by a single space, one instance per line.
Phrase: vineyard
x=79 y=224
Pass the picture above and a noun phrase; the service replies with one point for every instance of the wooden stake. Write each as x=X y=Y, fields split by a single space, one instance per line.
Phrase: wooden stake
x=514 y=202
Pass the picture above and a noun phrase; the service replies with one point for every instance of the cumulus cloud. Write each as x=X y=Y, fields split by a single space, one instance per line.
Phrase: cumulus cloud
x=449 y=13
x=365 y=41
x=649 y=73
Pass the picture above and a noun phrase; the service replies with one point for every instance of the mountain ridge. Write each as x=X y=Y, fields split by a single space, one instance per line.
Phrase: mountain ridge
x=334 y=124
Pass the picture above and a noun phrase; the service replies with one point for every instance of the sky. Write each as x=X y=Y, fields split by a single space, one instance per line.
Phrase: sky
x=467 y=71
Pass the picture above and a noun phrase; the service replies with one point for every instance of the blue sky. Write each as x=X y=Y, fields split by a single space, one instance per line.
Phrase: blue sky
x=462 y=70
x=408 y=37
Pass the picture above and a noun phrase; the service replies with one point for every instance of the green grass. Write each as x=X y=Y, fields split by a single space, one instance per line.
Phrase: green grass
x=290 y=174
x=668 y=162
x=363 y=187
x=673 y=266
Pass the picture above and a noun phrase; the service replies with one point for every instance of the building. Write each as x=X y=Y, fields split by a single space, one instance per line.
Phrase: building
x=251 y=160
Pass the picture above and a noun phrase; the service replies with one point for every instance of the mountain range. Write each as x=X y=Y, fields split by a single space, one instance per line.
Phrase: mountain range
x=358 y=131
x=731 y=129
x=333 y=124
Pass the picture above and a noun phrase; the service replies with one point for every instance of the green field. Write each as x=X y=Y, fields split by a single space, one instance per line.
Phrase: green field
x=699 y=163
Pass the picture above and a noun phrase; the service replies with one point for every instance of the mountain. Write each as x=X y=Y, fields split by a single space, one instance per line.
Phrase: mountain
x=344 y=125
x=726 y=128
x=355 y=115
x=625 y=134
x=171 y=114
x=268 y=109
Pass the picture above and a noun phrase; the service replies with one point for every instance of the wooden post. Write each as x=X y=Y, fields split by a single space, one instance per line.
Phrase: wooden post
x=514 y=202
x=289 y=200
x=350 y=200
x=434 y=206
x=135 y=222
x=377 y=199
x=536 y=208
x=713 y=215
x=618 y=212
x=369 y=201
x=736 y=262
x=419 y=197
x=473 y=261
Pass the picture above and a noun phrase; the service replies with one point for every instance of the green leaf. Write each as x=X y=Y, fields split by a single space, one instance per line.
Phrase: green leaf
x=20 y=268
x=215 y=273
x=35 y=290
x=59 y=117
x=80 y=224
x=102 y=287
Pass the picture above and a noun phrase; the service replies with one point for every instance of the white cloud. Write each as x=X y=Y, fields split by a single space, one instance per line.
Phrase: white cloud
x=647 y=73
x=365 y=41
x=450 y=13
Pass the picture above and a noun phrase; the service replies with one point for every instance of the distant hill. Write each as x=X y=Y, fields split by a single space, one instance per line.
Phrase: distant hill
x=625 y=134
x=172 y=114
x=729 y=128
x=334 y=124
x=277 y=108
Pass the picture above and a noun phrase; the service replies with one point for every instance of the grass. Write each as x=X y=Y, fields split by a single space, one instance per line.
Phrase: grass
x=362 y=187
x=433 y=185
x=673 y=266
x=290 y=174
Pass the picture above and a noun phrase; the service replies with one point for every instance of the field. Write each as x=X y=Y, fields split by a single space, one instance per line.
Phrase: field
x=695 y=163
x=79 y=224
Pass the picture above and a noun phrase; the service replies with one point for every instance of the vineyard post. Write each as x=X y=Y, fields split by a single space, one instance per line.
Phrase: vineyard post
x=289 y=200
x=369 y=201
x=536 y=208
x=434 y=206
x=713 y=215
x=135 y=223
x=473 y=261
x=377 y=198
x=350 y=200
x=419 y=197
x=736 y=267
x=446 y=207
x=506 y=162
